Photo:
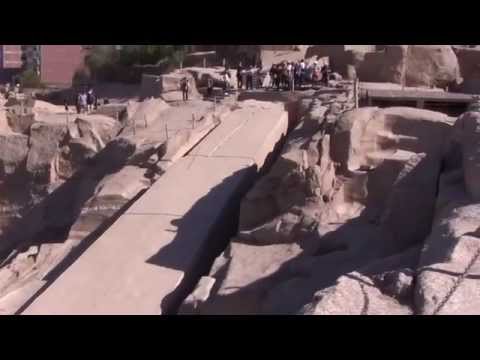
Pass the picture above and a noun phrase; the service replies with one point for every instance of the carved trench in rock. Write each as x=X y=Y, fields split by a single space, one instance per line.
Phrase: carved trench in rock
x=227 y=225
x=390 y=234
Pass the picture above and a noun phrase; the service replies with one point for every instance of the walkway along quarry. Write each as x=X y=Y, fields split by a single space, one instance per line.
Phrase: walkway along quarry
x=152 y=256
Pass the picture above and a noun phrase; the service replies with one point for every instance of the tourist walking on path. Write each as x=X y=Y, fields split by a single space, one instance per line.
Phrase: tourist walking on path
x=184 y=85
x=82 y=100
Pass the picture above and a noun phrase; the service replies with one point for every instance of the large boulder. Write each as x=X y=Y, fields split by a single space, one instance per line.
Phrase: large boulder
x=167 y=86
x=148 y=110
x=447 y=283
x=40 y=106
x=356 y=191
x=354 y=294
x=469 y=64
x=372 y=146
x=13 y=151
x=119 y=187
x=241 y=292
x=383 y=66
x=101 y=129
x=202 y=75
x=432 y=66
x=411 y=65
x=270 y=57
x=44 y=150
x=467 y=136
x=75 y=156
x=118 y=111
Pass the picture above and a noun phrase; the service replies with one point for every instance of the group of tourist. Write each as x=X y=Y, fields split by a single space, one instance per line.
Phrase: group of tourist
x=248 y=77
x=284 y=75
x=8 y=91
x=287 y=75
x=86 y=101
x=227 y=83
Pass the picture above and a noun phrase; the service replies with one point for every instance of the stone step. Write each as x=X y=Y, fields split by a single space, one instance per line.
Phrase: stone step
x=400 y=156
x=388 y=140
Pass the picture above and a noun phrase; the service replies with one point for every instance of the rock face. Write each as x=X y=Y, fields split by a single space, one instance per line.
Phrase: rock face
x=201 y=76
x=167 y=86
x=447 y=281
x=411 y=65
x=98 y=166
x=344 y=208
x=40 y=150
x=468 y=61
x=13 y=150
x=353 y=294
x=431 y=65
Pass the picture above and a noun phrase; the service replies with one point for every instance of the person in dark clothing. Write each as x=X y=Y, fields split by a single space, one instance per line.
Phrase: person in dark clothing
x=273 y=76
x=78 y=105
x=325 y=74
x=297 y=75
x=209 y=87
x=250 y=78
x=184 y=86
x=239 y=76
x=278 y=76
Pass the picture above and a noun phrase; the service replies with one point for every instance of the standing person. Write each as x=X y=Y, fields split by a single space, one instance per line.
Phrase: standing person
x=250 y=78
x=90 y=100
x=209 y=87
x=273 y=76
x=83 y=102
x=244 y=77
x=289 y=73
x=78 y=103
x=325 y=74
x=16 y=90
x=239 y=75
x=303 y=71
x=7 y=89
x=297 y=74
x=255 y=74
x=279 y=76
x=285 y=75
x=184 y=85
x=226 y=80
x=316 y=76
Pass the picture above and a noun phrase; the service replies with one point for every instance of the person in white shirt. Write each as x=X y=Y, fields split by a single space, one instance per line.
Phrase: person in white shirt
x=226 y=79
